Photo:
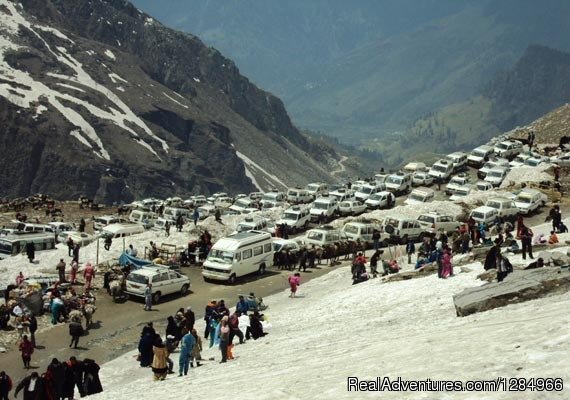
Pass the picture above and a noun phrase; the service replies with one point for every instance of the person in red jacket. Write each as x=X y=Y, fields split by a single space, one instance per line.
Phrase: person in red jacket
x=88 y=274
x=294 y=282
x=26 y=348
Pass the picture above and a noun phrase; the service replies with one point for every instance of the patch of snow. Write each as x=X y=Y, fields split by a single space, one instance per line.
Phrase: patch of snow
x=70 y=87
x=119 y=43
x=175 y=101
x=116 y=78
x=41 y=108
x=77 y=134
x=120 y=88
x=90 y=52
x=253 y=165
x=179 y=95
x=53 y=31
x=110 y=54
x=148 y=21
x=405 y=329
x=196 y=79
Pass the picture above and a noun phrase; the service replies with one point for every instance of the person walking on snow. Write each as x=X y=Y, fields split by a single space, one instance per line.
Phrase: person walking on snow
x=186 y=347
x=294 y=282
x=60 y=268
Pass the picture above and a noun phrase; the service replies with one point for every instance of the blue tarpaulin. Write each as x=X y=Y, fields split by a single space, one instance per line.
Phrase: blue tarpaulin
x=124 y=259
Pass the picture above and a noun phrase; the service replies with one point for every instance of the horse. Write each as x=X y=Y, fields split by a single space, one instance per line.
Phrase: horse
x=88 y=310
x=117 y=286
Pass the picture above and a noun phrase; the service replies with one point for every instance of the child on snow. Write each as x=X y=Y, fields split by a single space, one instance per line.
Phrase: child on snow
x=294 y=282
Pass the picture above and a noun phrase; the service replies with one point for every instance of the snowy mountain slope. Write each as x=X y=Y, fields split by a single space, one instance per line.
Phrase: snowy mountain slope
x=406 y=329
x=102 y=95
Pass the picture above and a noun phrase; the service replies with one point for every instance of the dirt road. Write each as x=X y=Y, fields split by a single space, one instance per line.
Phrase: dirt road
x=117 y=327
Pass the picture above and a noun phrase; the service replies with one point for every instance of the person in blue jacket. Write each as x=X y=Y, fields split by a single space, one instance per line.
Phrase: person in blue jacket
x=186 y=346
x=242 y=306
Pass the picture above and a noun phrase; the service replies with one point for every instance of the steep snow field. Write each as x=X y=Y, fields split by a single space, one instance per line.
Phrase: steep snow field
x=405 y=329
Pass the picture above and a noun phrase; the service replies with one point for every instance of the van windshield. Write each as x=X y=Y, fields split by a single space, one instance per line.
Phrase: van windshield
x=292 y=193
x=291 y=216
x=351 y=229
x=440 y=168
x=221 y=256
x=315 y=235
x=312 y=187
x=426 y=218
x=524 y=198
x=418 y=197
x=321 y=206
x=479 y=153
x=496 y=174
x=244 y=227
x=494 y=204
x=394 y=179
x=366 y=189
x=138 y=278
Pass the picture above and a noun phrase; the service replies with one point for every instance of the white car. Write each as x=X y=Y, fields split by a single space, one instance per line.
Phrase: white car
x=535 y=161
x=441 y=169
x=461 y=192
x=530 y=200
x=563 y=160
x=413 y=167
x=342 y=194
x=478 y=155
x=433 y=222
x=482 y=172
x=422 y=178
x=324 y=207
x=296 y=218
x=496 y=175
x=508 y=149
x=399 y=183
x=420 y=195
x=456 y=182
x=458 y=159
x=351 y=207
x=78 y=237
x=482 y=186
x=380 y=200
x=505 y=207
x=519 y=160
x=164 y=282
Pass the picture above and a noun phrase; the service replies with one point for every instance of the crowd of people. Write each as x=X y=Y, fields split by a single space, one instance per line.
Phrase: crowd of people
x=221 y=328
x=58 y=382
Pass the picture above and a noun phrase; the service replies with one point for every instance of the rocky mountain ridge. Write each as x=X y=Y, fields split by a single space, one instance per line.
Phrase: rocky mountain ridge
x=98 y=98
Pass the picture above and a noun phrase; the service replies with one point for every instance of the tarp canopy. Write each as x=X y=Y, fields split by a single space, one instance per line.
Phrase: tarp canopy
x=125 y=259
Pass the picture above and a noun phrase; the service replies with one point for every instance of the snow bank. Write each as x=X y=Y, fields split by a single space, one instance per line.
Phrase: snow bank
x=412 y=211
x=110 y=54
x=405 y=329
x=526 y=174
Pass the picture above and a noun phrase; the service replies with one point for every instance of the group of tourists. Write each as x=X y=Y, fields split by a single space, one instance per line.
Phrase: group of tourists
x=58 y=382
x=221 y=328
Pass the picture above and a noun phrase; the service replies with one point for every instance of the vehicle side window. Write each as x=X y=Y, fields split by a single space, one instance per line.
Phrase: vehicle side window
x=156 y=278
x=246 y=254
x=173 y=275
x=164 y=276
x=238 y=257
x=257 y=250
x=267 y=247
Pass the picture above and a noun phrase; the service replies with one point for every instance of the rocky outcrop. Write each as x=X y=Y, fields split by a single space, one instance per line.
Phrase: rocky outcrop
x=517 y=287
x=99 y=99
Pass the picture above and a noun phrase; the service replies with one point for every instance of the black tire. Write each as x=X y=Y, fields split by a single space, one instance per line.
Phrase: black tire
x=156 y=298
x=184 y=290
x=232 y=279
x=261 y=270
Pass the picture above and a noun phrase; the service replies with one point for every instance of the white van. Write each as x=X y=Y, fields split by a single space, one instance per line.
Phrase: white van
x=496 y=175
x=325 y=206
x=145 y=218
x=298 y=196
x=323 y=236
x=317 y=189
x=238 y=255
x=296 y=218
x=530 y=200
x=413 y=167
x=441 y=169
x=365 y=191
x=458 y=159
x=274 y=198
x=206 y=211
x=26 y=227
x=164 y=281
x=342 y=194
x=59 y=227
x=15 y=243
x=487 y=215
x=420 y=195
x=478 y=156
x=241 y=204
x=380 y=200
x=360 y=230
x=173 y=213
x=506 y=207
x=252 y=224
x=399 y=183
x=104 y=220
x=121 y=230
x=400 y=229
x=160 y=224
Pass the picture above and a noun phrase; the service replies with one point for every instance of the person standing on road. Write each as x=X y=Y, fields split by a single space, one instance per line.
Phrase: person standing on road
x=32 y=327
x=196 y=216
x=70 y=246
x=5 y=385
x=410 y=250
x=376 y=239
x=148 y=297
x=74 y=269
x=26 y=348
x=75 y=331
x=60 y=268
x=76 y=252
x=167 y=228
x=108 y=242
x=526 y=240
x=32 y=386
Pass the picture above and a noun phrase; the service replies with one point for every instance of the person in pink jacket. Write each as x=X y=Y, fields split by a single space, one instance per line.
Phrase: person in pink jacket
x=446 y=263
x=294 y=282
x=88 y=274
